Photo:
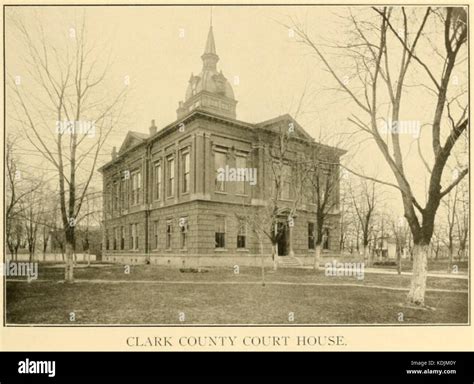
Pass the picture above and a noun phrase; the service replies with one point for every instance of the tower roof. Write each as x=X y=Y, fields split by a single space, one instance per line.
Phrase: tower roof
x=210 y=90
x=210 y=43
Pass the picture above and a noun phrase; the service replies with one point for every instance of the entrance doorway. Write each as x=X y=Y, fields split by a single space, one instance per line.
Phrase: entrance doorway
x=282 y=233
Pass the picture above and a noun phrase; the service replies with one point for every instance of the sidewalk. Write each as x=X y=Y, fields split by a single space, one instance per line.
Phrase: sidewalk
x=287 y=283
x=385 y=271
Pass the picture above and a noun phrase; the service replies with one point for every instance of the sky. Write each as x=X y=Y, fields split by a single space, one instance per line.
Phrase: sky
x=157 y=49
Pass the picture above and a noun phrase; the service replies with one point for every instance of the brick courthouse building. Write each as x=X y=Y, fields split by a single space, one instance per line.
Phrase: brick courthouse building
x=163 y=203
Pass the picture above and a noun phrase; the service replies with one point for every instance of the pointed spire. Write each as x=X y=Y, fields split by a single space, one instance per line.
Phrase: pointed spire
x=210 y=44
x=209 y=57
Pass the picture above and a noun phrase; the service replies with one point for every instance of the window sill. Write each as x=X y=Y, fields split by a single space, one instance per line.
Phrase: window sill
x=244 y=250
x=221 y=193
x=220 y=250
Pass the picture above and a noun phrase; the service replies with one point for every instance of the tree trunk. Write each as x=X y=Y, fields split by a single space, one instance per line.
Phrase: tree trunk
x=262 y=257
x=367 y=258
x=418 y=281
x=274 y=257
x=317 y=257
x=69 y=270
x=450 y=261
x=399 y=260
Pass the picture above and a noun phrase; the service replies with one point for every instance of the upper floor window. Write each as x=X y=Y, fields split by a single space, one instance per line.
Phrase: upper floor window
x=285 y=182
x=185 y=170
x=123 y=193
x=220 y=160
x=170 y=176
x=109 y=191
x=136 y=187
x=241 y=164
x=185 y=165
x=116 y=193
x=157 y=181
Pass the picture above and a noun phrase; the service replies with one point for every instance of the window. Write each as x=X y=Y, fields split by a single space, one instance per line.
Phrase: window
x=170 y=174
x=311 y=243
x=183 y=228
x=123 y=198
x=136 y=187
x=241 y=233
x=134 y=236
x=107 y=241
x=169 y=231
x=220 y=160
x=109 y=198
x=185 y=171
x=157 y=177
x=326 y=238
x=122 y=238
x=155 y=234
x=241 y=163
x=220 y=232
x=116 y=236
x=285 y=182
x=115 y=196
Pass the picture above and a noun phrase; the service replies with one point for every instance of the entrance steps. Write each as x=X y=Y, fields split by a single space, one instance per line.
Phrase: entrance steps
x=289 y=262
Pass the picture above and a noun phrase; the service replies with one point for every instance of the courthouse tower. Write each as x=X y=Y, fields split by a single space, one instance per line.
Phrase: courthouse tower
x=210 y=90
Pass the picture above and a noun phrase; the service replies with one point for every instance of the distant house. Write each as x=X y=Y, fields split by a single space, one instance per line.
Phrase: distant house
x=386 y=249
x=86 y=239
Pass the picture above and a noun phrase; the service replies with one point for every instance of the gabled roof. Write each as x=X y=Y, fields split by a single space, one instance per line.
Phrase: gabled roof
x=272 y=124
x=131 y=140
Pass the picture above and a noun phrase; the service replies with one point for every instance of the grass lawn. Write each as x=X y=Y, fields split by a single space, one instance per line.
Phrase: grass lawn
x=51 y=302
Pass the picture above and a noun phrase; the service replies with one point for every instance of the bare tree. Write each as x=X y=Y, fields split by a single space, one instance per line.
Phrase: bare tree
x=381 y=78
x=462 y=220
x=401 y=233
x=34 y=212
x=20 y=189
x=67 y=114
x=364 y=202
x=448 y=237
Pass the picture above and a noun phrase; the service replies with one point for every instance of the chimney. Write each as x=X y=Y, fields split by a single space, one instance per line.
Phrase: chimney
x=152 y=128
x=114 y=153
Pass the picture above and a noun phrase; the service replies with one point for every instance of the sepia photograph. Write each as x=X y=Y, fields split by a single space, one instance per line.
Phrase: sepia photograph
x=236 y=165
